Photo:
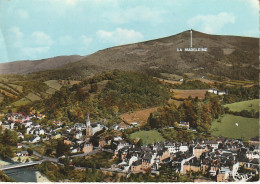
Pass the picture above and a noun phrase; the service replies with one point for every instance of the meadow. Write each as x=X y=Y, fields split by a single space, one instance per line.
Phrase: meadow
x=227 y=127
x=244 y=105
x=147 y=137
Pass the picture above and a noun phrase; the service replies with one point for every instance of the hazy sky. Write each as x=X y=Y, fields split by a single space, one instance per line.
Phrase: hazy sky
x=37 y=29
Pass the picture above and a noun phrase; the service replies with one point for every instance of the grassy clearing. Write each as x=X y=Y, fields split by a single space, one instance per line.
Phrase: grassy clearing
x=244 y=105
x=182 y=94
x=55 y=84
x=147 y=137
x=226 y=127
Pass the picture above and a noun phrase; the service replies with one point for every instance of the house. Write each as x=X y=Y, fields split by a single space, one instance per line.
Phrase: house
x=221 y=92
x=198 y=150
x=75 y=150
x=191 y=167
x=223 y=174
x=67 y=142
x=27 y=123
x=171 y=147
x=22 y=154
x=35 y=139
x=120 y=144
x=123 y=126
x=115 y=126
x=134 y=124
x=19 y=145
x=184 y=147
x=136 y=167
x=78 y=135
x=184 y=124
x=97 y=127
x=118 y=138
x=211 y=143
x=58 y=123
x=163 y=154
x=20 y=135
x=88 y=147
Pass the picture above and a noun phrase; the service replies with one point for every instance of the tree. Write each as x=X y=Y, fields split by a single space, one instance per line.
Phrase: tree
x=9 y=138
x=30 y=151
x=48 y=151
x=93 y=88
x=6 y=151
x=140 y=142
x=61 y=148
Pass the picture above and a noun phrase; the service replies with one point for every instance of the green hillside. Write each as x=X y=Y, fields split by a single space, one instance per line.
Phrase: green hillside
x=244 y=105
x=226 y=127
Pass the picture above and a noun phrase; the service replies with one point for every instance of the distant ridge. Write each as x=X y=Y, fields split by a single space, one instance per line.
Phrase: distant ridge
x=31 y=66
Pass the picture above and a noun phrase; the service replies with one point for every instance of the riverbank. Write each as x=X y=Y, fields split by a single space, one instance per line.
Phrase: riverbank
x=40 y=177
x=3 y=163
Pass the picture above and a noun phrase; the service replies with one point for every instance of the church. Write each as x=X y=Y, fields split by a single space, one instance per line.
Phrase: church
x=89 y=129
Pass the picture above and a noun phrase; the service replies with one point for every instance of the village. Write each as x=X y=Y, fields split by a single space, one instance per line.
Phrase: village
x=219 y=158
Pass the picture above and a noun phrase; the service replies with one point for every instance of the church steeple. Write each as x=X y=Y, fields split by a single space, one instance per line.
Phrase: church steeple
x=89 y=131
x=88 y=122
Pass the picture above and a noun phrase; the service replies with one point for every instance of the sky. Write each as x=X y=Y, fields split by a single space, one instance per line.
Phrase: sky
x=37 y=29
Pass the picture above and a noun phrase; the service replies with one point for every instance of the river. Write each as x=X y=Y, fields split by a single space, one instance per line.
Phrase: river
x=25 y=174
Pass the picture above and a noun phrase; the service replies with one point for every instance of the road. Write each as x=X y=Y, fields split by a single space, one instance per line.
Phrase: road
x=42 y=156
x=46 y=158
x=13 y=166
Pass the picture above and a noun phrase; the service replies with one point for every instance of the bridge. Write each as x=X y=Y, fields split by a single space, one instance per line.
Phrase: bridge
x=13 y=166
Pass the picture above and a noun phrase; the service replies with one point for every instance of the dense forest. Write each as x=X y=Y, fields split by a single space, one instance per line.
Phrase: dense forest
x=103 y=96
x=198 y=113
x=193 y=84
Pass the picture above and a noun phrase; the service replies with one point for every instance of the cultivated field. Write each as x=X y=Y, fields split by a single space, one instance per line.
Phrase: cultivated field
x=33 y=97
x=244 y=105
x=182 y=94
x=55 y=84
x=204 y=80
x=147 y=137
x=140 y=116
x=226 y=127
x=240 y=83
x=170 y=81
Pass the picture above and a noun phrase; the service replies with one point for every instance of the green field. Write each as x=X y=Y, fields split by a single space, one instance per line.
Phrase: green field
x=226 y=127
x=245 y=105
x=147 y=137
x=22 y=101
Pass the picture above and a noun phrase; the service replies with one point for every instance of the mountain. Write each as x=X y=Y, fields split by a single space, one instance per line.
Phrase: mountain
x=30 y=66
x=231 y=57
